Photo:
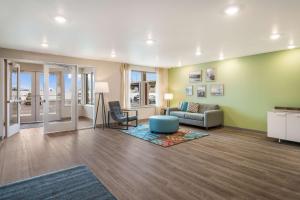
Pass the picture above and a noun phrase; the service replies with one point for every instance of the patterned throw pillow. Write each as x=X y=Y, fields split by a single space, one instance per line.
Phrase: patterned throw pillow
x=192 y=107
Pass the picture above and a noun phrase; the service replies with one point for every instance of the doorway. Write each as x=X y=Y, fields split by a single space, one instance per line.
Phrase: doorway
x=53 y=97
x=31 y=94
x=86 y=97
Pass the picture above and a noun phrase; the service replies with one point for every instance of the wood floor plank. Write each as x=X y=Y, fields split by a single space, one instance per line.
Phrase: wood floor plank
x=227 y=164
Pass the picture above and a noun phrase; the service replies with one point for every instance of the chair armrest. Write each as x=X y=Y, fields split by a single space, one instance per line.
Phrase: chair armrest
x=126 y=114
x=129 y=110
x=171 y=109
x=213 y=118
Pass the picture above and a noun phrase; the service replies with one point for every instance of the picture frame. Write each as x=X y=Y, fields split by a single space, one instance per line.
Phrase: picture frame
x=195 y=76
x=210 y=74
x=217 y=89
x=189 y=91
x=201 y=91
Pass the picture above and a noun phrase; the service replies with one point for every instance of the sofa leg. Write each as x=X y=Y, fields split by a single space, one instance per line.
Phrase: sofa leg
x=207 y=128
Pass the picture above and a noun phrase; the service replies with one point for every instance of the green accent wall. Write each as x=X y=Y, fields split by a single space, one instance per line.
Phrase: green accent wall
x=253 y=85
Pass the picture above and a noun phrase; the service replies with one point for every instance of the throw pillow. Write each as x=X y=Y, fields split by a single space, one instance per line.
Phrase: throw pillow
x=192 y=107
x=184 y=106
x=179 y=105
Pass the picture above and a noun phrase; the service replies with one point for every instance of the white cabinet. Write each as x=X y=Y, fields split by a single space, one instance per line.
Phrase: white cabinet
x=284 y=125
x=277 y=125
x=293 y=127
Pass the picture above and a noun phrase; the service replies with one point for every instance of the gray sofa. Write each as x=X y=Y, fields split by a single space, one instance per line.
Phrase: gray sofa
x=208 y=115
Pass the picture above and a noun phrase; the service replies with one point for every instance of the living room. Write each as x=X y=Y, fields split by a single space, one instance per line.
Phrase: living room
x=149 y=100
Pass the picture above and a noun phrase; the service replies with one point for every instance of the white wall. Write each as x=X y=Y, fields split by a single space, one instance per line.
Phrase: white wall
x=86 y=111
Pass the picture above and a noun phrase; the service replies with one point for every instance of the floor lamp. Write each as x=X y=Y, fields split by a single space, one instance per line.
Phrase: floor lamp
x=100 y=89
x=168 y=97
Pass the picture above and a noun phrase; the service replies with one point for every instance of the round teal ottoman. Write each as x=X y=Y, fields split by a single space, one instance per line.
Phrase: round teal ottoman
x=163 y=124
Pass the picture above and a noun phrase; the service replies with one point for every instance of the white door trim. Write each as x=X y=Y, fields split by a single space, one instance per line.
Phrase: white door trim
x=2 y=96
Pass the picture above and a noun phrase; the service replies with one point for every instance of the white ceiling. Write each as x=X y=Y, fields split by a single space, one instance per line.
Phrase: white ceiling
x=95 y=27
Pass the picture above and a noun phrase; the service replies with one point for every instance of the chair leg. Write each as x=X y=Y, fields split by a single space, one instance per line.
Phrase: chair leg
x=136 y=122
x=108 y=120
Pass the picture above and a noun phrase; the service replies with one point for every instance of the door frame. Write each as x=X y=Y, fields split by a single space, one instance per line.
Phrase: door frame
x=2 y=97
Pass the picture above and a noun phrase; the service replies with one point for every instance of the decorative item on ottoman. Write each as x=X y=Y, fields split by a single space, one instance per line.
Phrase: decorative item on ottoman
x=163 y=124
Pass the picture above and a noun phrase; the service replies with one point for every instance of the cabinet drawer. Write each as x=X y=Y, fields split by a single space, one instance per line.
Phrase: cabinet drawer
x=293 y=127
x=277 y=125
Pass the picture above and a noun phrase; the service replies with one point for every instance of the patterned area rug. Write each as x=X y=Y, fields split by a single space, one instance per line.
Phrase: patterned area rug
x=77 y=183
x=164 y=140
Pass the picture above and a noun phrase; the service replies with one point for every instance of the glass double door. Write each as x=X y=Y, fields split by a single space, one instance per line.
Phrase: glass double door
x=49 y=96
x=31 y=95
x=60 y=98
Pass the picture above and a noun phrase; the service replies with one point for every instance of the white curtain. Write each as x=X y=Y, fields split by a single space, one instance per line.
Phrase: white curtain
x=162 y=88
x=124 y=85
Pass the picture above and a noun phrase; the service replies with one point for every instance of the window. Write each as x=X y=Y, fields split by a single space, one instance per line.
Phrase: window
x=89 y=90
x=79 y=88
x=54 y=93
x=85 y=88
x=68 y=89
x=143 y=88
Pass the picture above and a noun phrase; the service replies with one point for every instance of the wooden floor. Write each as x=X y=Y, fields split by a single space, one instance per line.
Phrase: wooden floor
x=228 y=164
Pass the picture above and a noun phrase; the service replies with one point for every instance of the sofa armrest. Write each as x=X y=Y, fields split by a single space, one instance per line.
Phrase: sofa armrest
x=171 y=109
x=213 y=118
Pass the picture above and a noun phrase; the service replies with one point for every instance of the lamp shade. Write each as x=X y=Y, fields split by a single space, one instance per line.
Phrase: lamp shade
x=101 y=87
x=168 y=96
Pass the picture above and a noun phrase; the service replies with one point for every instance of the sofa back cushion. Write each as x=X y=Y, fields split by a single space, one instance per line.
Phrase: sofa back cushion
x=206 y=107
x=193 y=107
x=183 y=106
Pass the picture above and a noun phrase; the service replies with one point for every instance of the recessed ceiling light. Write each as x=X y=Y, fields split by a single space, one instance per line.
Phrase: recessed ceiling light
x=275 y=36
x=44 y=44
x=60 y=19
x=221 y=56
x=198 y=52
x=179 y=63
x=149 y=41
x=291 y=46
x=232 y=10
x=113 y=54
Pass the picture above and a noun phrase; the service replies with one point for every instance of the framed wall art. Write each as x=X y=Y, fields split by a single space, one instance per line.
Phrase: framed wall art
x=217 y=90
x=201 y=91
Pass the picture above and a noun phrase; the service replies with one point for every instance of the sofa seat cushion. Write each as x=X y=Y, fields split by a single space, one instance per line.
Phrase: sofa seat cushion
x=206 y=107
x=194 y=116
x=177 y=113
